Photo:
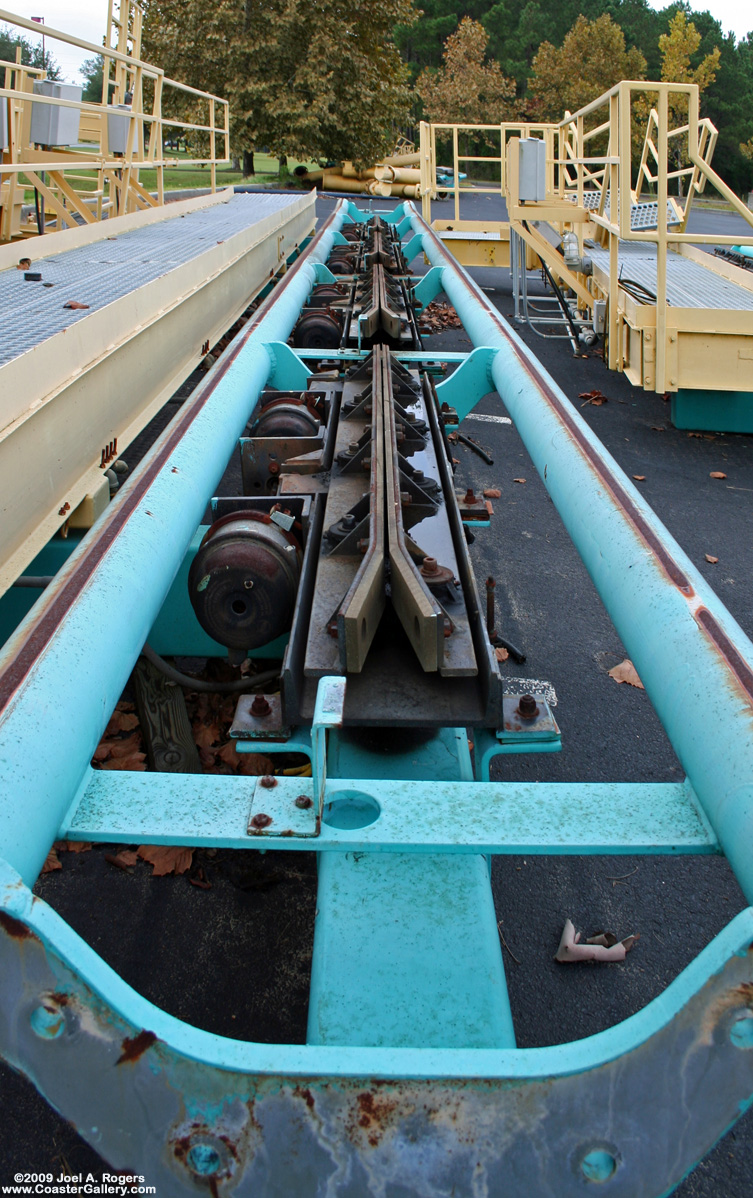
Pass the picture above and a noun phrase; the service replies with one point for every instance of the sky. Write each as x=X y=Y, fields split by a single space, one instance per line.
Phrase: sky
x=87 y=18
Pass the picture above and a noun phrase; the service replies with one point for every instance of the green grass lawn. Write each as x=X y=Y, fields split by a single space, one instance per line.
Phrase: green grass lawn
x=179 y=178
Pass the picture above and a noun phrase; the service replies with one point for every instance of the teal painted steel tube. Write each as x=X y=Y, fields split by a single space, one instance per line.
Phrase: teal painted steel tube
x=65 y=668
x=746 y=251
x=694 y=660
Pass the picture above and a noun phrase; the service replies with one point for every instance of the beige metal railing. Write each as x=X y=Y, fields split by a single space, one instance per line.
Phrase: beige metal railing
x=134 y=120
x=498 y=135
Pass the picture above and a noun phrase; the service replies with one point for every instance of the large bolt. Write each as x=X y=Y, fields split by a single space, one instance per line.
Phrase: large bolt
x=262 y=820
x=267 y=781
x=304 y=802
x=429 y=566
x=260 y=706
x=348 y=520
x=528 y=708
x=470 y=497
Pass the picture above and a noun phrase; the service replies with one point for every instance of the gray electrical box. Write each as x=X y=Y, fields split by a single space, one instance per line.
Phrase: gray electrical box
x=117 y=128
x=532 y=169
x=52 y=125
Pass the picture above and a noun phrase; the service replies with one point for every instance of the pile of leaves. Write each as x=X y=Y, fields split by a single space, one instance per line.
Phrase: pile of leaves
x=438 y=316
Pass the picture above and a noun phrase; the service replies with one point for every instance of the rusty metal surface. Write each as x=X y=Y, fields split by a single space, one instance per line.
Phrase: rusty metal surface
x=194 y=1112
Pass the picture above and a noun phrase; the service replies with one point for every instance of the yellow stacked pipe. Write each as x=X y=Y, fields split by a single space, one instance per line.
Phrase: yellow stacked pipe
x=397 y=174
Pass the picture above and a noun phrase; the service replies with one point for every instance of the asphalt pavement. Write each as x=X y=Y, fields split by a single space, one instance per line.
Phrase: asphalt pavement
x=234 y=959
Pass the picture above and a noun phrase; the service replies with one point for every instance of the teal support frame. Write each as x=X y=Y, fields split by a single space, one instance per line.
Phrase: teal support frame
x=409 y=1106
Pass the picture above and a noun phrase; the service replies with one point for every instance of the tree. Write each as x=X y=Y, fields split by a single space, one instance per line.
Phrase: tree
x=466 y=89
x=92 y=70
x=310 y=78
x=592 y=58
x=31 y=53
x=677 y=48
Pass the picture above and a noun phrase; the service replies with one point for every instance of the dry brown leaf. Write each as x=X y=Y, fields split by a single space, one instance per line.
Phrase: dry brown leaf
x=710 y=558
x=640 y=478
x=229 y=754
x=52 y=862
x=166 y=858
x=206 y=735
x=658 y=428
x=518 y=480
x=75 y=304
x=255 y=764
x=124 y=859
x=695 y=434
x=73 y=846
x=126 y=745
x=626 y=672
x=501 y=654
x=492 y=493
x=206 y=757
x=135 y=762
x=717 y=474
x=121 y=721
x=597 y=948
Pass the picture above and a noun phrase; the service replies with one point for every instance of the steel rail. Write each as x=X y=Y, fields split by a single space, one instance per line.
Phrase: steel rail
x=693 y=658
x=84 y=635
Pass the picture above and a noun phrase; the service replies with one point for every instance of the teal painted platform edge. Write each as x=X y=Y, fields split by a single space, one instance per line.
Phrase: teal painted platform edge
x=713 y=411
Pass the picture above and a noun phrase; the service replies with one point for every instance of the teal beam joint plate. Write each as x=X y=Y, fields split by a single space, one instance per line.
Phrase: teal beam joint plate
x=428 y=287
x=323 y=273
x=470 y=382
x=288 y=371
x=414 y=248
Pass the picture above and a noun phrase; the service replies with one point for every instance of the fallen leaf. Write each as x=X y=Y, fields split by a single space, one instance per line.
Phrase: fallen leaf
x=641 y=478
x=492 y=493
x=518 y=480
x=597 y=948
x=695 y=434
x=255 y=764
x=206 y=735
x=658 y=428
x=597 y=398
x=126 y=745
x=135 y=762
x=717 y=474
x=501 y=654
x=626 y=672
x=124 y=859
x=121 y=721
x=24 y=264
x=75 y=304
x=73 y=846
x=166 y=858
x=200 y=879
x=52 y=862
x=710 y=558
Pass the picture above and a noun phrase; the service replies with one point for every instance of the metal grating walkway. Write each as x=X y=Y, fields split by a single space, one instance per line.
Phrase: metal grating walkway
x=689 y=284
x=106 y=270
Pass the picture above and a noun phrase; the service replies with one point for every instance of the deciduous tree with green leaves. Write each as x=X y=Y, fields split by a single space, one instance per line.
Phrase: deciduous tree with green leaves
x=592 y=58
x=466 y=89
x=310 y=78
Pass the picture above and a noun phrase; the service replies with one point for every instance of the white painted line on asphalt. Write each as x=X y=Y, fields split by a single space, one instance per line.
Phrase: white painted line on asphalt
x=489 y=419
